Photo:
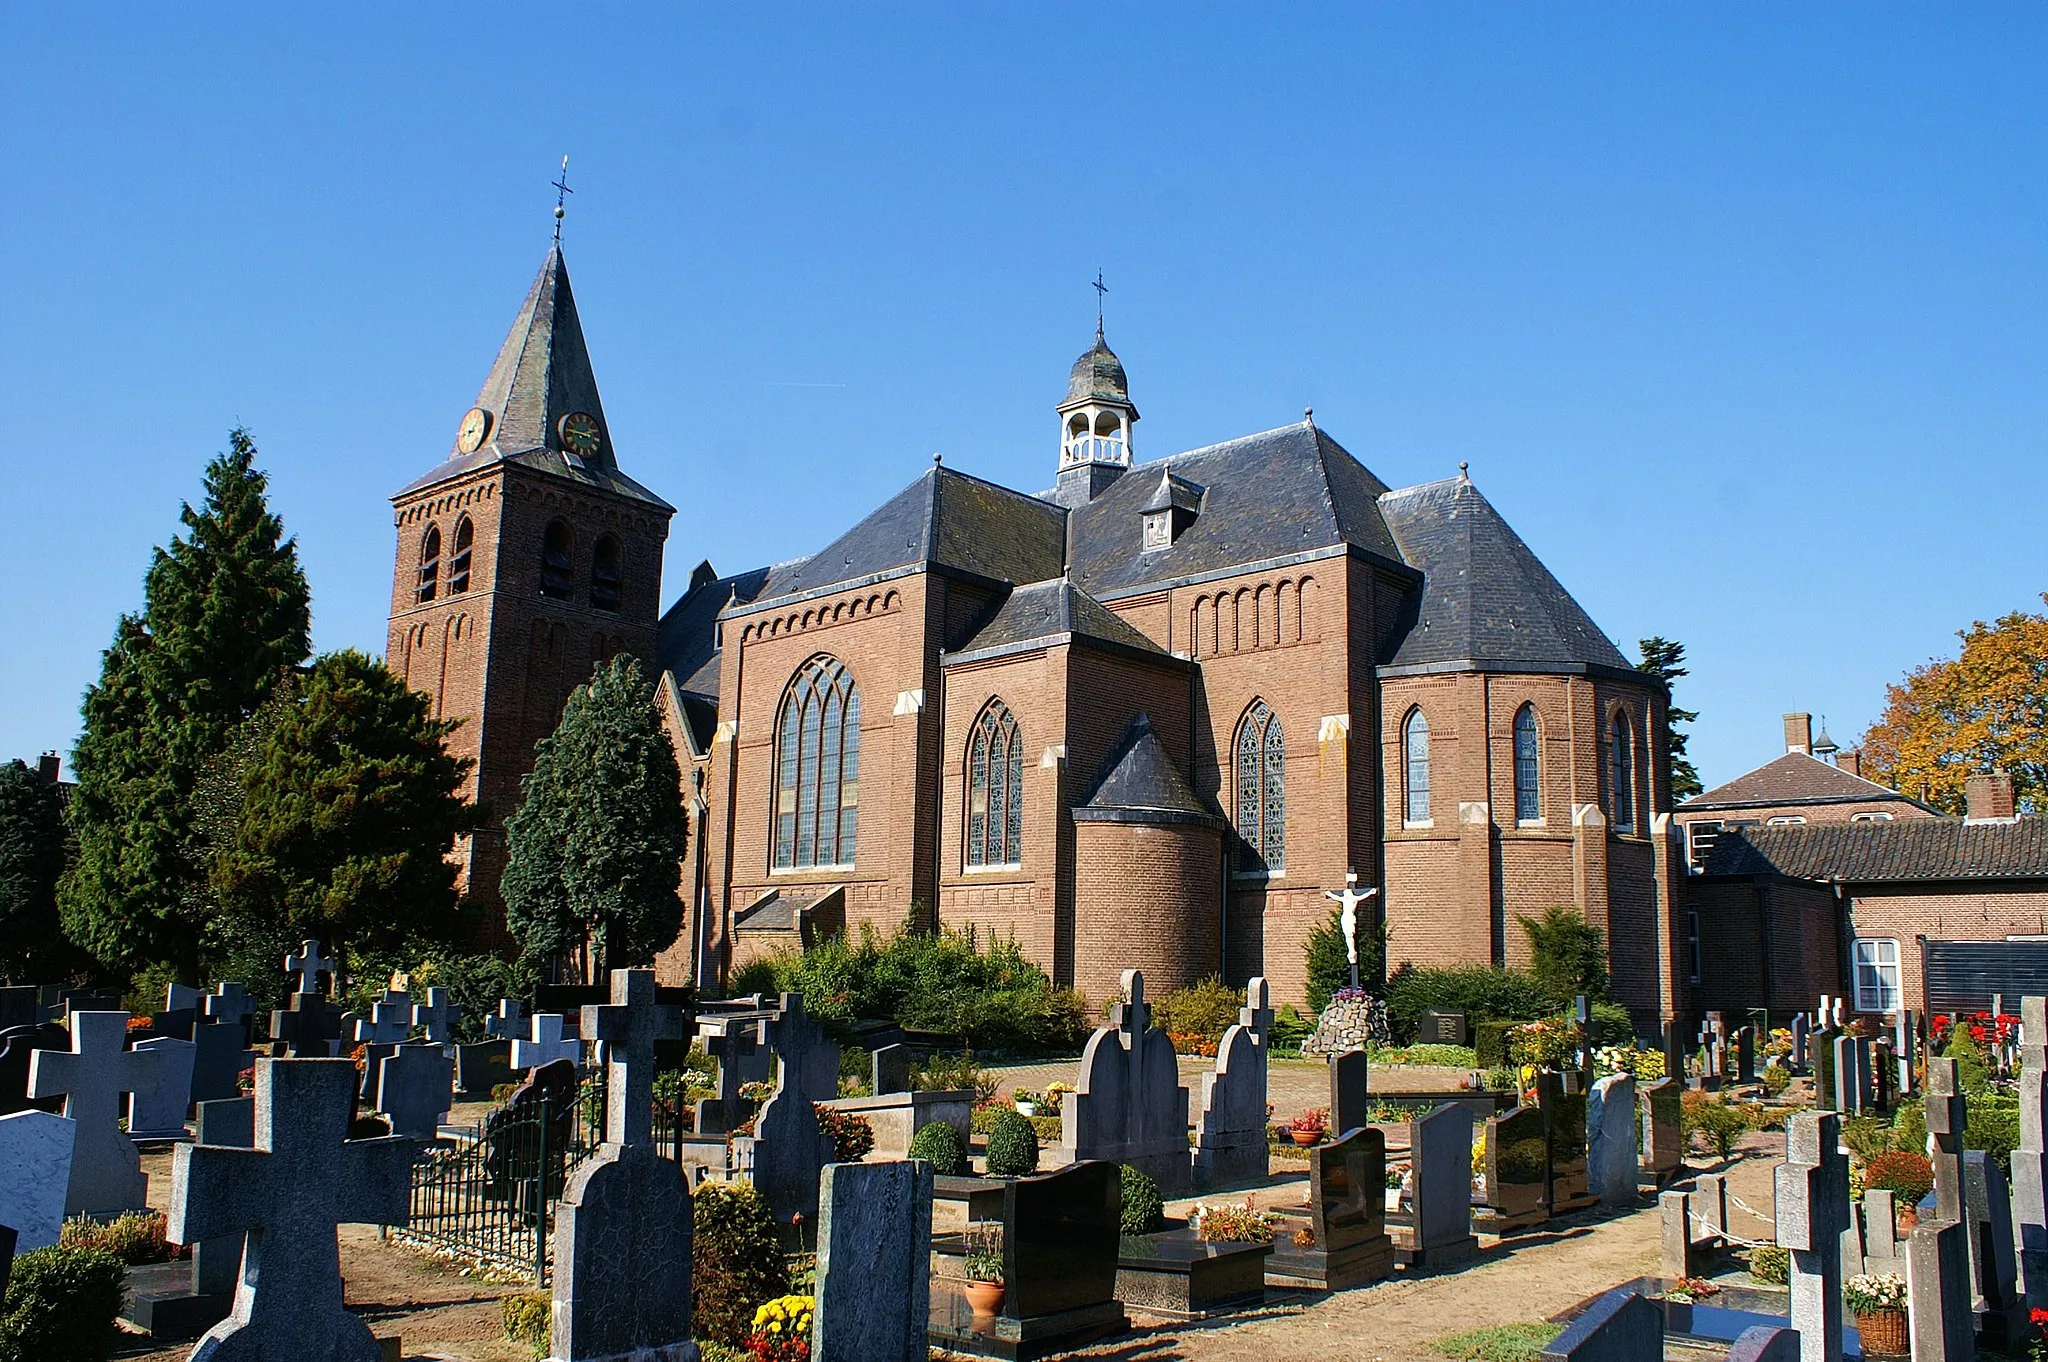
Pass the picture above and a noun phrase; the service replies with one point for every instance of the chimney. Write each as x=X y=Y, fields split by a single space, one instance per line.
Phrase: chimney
x=1799 y=733
x=47 y=766
x=1989 y=798
x=1852 y=762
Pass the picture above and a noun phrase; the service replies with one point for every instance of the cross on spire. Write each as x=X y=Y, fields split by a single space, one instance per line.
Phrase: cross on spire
x=1100 y=289
x=562 y=193
x=628 y=1026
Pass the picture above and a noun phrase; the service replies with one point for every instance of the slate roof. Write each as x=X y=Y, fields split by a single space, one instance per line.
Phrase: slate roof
x=542 y=374
x=1485 y=597
x=1098 y=376
x=1794 y=778
x=1051 y=612
x=1914 y=849
x=945 y=519
x=1275 y=495
x=686 y=639
x=1140 y=783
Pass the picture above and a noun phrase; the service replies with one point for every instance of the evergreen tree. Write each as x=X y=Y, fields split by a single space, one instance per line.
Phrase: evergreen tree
x=350 y=805
x=31 y=859
x=595 y=851
x=226 y=613
x=1569 y=954
x=1665 y=660
x=1329 y=963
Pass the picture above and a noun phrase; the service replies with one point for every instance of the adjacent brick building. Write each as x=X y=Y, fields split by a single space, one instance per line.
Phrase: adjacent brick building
x=1146 y=717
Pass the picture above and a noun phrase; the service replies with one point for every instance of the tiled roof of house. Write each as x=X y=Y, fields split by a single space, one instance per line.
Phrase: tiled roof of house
x=1485 y=597
x=1912 y=849
x=1794 y=778
x=1053 y=612
x=1139 y=782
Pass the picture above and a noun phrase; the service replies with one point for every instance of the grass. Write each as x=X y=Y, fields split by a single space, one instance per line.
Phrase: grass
x=1502 y=1343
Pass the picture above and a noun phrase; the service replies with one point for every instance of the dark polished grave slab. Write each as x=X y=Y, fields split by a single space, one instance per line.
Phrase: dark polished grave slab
x=1339 y=1238
x=161 y=1299
x=481 y=1067
x=1175 y=1274
x=1720 y=1319
x=1565 y=1105
x=1515 y=1173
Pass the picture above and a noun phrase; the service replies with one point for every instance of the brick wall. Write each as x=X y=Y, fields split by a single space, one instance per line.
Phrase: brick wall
x=1905 y=913
x=1146 y=898
x=1764 y=942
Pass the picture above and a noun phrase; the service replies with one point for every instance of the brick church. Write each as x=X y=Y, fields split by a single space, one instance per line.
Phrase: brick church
x=1144 y=718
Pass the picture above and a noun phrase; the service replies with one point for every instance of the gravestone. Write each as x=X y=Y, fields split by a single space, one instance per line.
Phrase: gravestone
x=508 y=1022
x=415 y=1086
x=288 y=1194
x=1938 y=1290
x=1812 y=1211
x=789 y=1150
x=1440 y=1146
x=2030 y=1160
x=306 y=1027
x=1745 y=1055
x=735 y=1042
x=512 y=1155
x=1346 y=1217
x=180 y=1012
x=1350 y=1095
x=1663 y=1138
x=106 y=1174
x=1947 y=1112
x=1061 y=1244
x=16 y=1045
x=220 y=1051
x=873 y=1293
x=1129 y=1106
x=229 y=1005
x=1821 y=1045
x=545 y=1043
x=1852 y=1080
x=1443 y=1026
x=184 y=1298
x=1515 y=1172
x=20 y=1005
x=35 y=1170
x=1565 y=1128
x=1881 y=1249
x=308 y=964
x=157 y=1109
x=1619 y=1327
x=889 y=1067
x=482 y=1066
x=437 y=1016
x=1994 y=1271
x=231 y=1124
x=1612 y=1157
x=390 y=1021
x=1905 y=1044
x=1765 y=1343
x=623 y=1240
x=1676 y=1243
x=1800 y=1031
x=1230 y=1130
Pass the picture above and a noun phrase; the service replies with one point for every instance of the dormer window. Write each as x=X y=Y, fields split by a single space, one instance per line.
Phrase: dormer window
x=1172 y=507
x=1158 y=529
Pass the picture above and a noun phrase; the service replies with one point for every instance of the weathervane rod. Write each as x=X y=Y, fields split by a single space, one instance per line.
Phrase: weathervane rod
x=1100 y=289
x=562 y=192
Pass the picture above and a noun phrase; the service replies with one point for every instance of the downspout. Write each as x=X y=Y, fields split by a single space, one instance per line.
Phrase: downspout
x=1844 y=941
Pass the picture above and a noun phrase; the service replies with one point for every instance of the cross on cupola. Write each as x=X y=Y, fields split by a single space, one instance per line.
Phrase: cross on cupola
x=1095 y=419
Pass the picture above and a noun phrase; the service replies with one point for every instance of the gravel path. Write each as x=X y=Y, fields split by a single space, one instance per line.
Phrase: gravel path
x=1292 y=1085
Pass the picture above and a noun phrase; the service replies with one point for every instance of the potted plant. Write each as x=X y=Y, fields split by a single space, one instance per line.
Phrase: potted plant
x=1054 y=1097
x=1878 y=1301
x=1026 y=1100
x=1309 y=1127
x=985 y=1267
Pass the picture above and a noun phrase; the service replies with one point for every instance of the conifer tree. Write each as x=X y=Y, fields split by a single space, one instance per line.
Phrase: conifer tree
x=1664 y=660
x=226 y=613
x=31 y=859
x=595 y=851
x=350 y=805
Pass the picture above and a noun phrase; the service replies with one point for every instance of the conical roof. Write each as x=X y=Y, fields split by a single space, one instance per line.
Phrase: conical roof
x=1098 y=376
x=1139 y=783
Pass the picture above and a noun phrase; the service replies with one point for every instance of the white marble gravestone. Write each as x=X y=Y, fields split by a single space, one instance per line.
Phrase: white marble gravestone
x=35 y=1169
x=2030 y=1160
x=1230 y=1131
x=1129 y=1106
x=106 y=1174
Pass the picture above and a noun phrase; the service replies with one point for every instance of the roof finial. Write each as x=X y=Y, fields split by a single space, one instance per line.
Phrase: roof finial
x=1464 y=471
x=938 y=459
x=562 y=192
x=1100 y=289
x=1308 y=415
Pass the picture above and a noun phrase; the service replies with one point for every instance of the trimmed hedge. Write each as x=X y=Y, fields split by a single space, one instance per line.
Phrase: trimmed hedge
x=1012 y=1147
x=1144 y=1210
x=1480 y=993
x=60 y=1307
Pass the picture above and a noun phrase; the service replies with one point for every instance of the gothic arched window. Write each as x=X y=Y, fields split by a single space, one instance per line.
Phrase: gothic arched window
x=1528 y=768
x=430 y=563
x=1261 y=792
x=458 y=563
x=1415 y=765
x=604 y=574
x=1621 y=772
x=995 y=789
x=556 y=571
x=817 y=759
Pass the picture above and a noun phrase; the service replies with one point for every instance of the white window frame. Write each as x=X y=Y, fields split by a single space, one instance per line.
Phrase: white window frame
x=1871 y=816
x=1692 y=943
x=1786 y=820
x=1880 y=991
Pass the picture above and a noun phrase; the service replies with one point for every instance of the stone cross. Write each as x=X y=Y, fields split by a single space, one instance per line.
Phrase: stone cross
x=437 y=1016
x=415 y=1083
x=1938 y=1290
x=106 y=1174
x=1800 y=1030
x=309 y=964
x=509 y=1022
x=229 y=1004
x=546 y=1044
x=1812 y=1211
x=390 y=1022
x=309 y=1026
x=626 y=1029
x=1131 y=1014
x=2030 y=1160
x=1947 y=1110
x=288 y=1194
x=1350 y=899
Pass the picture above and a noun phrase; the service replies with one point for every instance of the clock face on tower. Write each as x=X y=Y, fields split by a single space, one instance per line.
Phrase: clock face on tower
x=580 y=434
x=475 y=426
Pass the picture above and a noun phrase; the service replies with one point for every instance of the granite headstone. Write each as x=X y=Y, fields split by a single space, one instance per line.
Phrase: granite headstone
x=35 y=1170
x=874 y=1263
x=106 y=1174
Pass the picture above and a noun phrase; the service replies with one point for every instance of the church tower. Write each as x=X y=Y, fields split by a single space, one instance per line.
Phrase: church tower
x=525 y=558
x=1095 y=425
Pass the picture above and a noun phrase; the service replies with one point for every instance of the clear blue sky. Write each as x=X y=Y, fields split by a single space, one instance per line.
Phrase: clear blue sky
x=1738 y=313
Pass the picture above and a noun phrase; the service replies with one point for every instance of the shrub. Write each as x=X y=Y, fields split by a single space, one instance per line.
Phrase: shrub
x=134 y=1237
x=1443 y=1056
x=1866 y=1137
x=1770 y=1264
x=940 y=1143
x=1481 y=993
x=1718 y=1125
x=756 y=976
x=1290 y=1028
x=954 y=1073
x=1992 y=1124
x=1568 y=954
x=1973 y=1071
x=1906 y=1174
x=1776 y=1078
x=61 y=1303
x=1012 y=1147
x=1206 y=1009
x=1329 y=965
x=527 y=1316
x=1490 y=1043
x=736 y=1264
x=1227 y=1224
x=1144 y=1210
x=853 y=1136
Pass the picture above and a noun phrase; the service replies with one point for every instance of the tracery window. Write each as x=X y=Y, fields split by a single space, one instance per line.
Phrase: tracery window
x=1415 y=768
x=1528 y=768
x=458 y=563
x=995 y=789
x=817 y=750
x=605 y=575
x=555 y=569
x=430 y=564
x=1621 y=772
x=1261 y=792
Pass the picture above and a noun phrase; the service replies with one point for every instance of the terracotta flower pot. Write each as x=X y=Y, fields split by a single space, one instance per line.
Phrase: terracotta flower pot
x=985 y=1297
x=1883 y=1333
x=1306 y=1138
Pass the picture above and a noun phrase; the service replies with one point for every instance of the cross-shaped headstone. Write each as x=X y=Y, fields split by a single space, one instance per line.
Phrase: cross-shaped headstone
x=415 y=1084
x=1812 y=1212
x=306 y=1028
x=106 y=1174
x=229 y=1003
x=627 y=1028
x=1947 y=1111
x=390 y=1022
x=288 y=1194
x=546 y=1044
x=309 y=964
x=510 y=1021
x=437 y=1016
x=1257 y=1012
x=1131 y=1015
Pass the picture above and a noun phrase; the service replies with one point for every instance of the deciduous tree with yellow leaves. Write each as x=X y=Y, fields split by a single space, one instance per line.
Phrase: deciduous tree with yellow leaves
x=1984 y=710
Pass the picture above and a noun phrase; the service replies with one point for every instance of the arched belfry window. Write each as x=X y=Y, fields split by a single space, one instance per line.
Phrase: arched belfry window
x=556 y=571
x=458 y=562
x=1528 y=768
x=1415 y=767
x=995 y=789
x=1261 y=786
x=817 y=759
x=1621 y=772
x=604 y=575
x=430 y=563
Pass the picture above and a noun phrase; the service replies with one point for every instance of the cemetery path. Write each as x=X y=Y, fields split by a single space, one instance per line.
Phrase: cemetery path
x=1292 y=1085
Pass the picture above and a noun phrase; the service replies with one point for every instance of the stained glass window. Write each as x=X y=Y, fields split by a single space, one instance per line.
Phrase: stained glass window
x=995 y=789
x=817 y=762
x=1415 y=758
x=1261 y=785
x=1528 y=770
x=1621 y=772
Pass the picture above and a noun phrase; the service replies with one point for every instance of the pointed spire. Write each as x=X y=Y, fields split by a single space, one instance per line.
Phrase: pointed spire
x=543 y=378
